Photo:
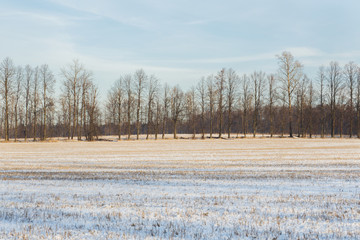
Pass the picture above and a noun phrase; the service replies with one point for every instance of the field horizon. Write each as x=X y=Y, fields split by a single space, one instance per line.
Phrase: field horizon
x=181 y=136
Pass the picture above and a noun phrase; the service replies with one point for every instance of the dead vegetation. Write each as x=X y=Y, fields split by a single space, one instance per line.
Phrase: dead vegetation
x=210 y=189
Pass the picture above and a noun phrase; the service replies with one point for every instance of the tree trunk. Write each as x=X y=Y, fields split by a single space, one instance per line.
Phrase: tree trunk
x=211 y=122
x=290 y=117
x=6 y=110
x=245 y=122
x=16 y=122
x=163 y=127
x=175 y=122
x=229 y=121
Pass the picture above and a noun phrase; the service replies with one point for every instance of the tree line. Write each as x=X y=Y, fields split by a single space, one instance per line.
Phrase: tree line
x=223 y=104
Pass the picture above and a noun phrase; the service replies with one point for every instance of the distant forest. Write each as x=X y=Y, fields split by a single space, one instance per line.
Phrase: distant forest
x=285 y=103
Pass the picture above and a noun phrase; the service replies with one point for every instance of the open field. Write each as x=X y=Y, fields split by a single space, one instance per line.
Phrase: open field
x=181 y=189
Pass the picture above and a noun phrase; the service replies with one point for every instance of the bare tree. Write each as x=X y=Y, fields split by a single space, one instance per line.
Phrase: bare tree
x=119 y=103
x=27 y=88
x=258 y=79
x=85 y=84
x=140 y=80
x=17 y=96
x=290 y=72
x=301 y=95
x=282 y=112
x=158 y=116
x=272 y=95
x=246 y=102
x=152 y=91
x=129 y=101
x=28 y=106
x=64 y=116
x=177 y=106
x=111 y=107
x=92 y=111
x=350 y=74
x=191 y=110
x=335 y=85
x=35 y=100
x=321 y=77
x=166 y=101
x=310 y=108
x=7 y=73
x=72 y=74
x=220 y=89
x=341 y=107
x=201 y=90
x=211 y=101
x=231 y=90
x=67 y=110
x=47 y=83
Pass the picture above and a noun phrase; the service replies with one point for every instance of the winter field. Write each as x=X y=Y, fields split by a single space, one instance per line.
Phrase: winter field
x=181 y=189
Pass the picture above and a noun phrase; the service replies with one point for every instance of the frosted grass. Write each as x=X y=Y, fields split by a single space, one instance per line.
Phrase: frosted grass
x=181 y=189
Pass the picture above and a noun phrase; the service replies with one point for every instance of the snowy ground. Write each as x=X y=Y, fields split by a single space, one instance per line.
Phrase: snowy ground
x=181 y=189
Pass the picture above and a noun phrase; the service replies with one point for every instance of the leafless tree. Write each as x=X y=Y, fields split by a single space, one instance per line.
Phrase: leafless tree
x=158 y=116
x=301 y=96
x=311 y=94
x=35 y=100
x=177 y=106
x=72 y=74
x=271 y=101
x=246 y=102
x=220 y=89
x=140 y=81
x=47 y=84
x=64 y=118
x=111 y=107
x=335 y=86
x=191 y=110
x=7 y=74
x=201 y=91
x=129 y=101
x=119 y=102
x=28 y=103
x=166 y=101
x=350 y=74
x=341 y=107
x=321 y=77
x=27 y=92
x=258 y=79
x=92 y=111
x=153 y=88
x=232 y=82
x=283 y=111
x=68 y=109
x=290 y=72
x=211 y=101
x=17 y=96
x=85 y=84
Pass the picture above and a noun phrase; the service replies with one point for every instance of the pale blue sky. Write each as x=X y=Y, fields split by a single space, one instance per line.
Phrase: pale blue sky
x=178 y=41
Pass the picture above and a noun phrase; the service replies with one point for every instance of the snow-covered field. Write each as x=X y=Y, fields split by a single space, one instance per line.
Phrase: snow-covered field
x=181 y=189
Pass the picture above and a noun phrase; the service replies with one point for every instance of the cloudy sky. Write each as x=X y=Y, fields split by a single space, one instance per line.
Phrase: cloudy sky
x=180 y=40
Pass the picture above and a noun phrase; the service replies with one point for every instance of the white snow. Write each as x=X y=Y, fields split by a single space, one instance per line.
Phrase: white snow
x=181 y=189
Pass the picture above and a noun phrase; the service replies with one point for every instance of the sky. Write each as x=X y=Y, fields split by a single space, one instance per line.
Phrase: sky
x=178 y=41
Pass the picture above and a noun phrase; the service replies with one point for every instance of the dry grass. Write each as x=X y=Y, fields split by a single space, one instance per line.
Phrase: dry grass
x=204 y=189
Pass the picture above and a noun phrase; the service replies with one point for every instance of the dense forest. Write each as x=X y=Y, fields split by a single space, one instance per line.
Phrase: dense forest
x=223 y=104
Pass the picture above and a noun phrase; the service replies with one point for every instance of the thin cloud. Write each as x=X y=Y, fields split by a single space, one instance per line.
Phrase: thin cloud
x=98 y=9
x=41 y=17
x=305 y=52
x=296 y=51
